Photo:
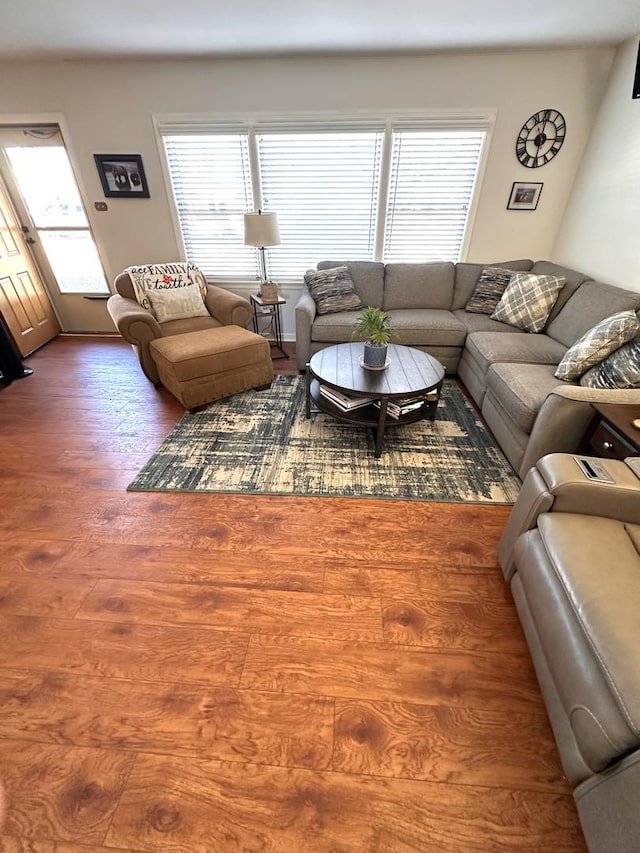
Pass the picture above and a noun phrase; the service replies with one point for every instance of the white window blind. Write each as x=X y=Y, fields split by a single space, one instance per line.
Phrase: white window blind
x=363 y=190
x=212 y=187
x=431 y=185
x=324 y=187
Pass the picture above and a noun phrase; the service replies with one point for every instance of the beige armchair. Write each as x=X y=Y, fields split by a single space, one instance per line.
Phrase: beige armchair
x=139 y=327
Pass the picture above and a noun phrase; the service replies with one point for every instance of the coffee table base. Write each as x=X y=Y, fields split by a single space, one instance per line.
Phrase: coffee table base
x=370 y=416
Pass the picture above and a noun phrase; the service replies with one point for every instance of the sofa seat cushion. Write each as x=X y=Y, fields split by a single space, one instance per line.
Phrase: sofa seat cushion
x=421 y=328
x=192 y=324
x=427 y=285
x=581 y=579
x=487 y=348
x=483 y=323
x=427 y=327
x=521 y=389
x=334 y=328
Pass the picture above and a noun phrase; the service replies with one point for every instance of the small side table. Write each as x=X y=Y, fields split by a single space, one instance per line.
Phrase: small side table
x=272 y=311
x=612 y=434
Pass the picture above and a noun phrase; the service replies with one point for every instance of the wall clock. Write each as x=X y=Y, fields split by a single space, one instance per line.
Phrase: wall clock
x=541 y=138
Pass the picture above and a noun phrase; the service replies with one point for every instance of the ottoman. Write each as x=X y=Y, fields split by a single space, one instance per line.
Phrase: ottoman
x=199 y=367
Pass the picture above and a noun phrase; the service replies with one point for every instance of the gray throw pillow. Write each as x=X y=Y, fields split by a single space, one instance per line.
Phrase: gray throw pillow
x=528 y=300
x=332 y=290
x=621 y=369
x=595 y=345
x=491 y=285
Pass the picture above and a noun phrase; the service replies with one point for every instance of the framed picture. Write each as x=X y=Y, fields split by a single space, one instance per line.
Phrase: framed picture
x=524 y=196
x=122 y=175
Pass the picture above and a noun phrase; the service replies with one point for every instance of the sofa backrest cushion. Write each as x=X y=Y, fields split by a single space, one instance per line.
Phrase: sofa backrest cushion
x=572 y=281
x=418 y=285
x=467 y=276
x=591 y=302
x=367 y=276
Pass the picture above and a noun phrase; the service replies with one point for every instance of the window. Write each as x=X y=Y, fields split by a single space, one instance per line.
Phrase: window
x=363 y=191
x=431 y=185
x=48 y=186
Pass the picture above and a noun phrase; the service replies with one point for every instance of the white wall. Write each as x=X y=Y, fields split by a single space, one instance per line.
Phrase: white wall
x=107 y=107
x=600 y=233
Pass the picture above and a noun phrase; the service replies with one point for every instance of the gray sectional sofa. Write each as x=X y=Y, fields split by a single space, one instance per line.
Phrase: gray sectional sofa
x=507 y=372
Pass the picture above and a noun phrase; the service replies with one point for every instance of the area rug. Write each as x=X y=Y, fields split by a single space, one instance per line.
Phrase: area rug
x=259 y=442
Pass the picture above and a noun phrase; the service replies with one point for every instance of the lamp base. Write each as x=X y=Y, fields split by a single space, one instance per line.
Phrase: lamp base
x=269 y=291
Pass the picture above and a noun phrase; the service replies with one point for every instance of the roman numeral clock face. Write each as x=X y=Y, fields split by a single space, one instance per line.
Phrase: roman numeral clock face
x=541 y=138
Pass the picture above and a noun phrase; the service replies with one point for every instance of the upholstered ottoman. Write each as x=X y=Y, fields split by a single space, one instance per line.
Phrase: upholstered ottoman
x=199 y=367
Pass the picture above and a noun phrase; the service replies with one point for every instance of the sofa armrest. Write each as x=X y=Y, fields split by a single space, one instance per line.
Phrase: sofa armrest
x=305 y=315
x=134 y=322
x=564 y=417
x=228 y=308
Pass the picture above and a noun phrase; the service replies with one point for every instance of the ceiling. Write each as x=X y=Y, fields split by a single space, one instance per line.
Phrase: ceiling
x=77 y=29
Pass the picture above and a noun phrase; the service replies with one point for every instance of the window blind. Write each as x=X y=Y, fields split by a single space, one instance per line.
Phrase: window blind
x=394 y=191
x=212 y=187
x=324 y=187
x=430 y=190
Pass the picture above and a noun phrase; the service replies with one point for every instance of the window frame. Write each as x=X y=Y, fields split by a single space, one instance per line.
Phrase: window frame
x=255 y=123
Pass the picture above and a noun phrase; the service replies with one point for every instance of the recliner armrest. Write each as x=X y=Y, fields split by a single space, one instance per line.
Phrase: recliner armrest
x=573 y=492
x=557 y=484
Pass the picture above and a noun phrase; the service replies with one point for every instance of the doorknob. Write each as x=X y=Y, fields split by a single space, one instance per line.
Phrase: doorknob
x=29 y=240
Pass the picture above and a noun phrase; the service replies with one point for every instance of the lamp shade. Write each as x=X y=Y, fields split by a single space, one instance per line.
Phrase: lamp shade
x=261 y=229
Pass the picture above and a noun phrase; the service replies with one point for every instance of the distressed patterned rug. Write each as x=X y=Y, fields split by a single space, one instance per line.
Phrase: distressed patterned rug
x=259 y=442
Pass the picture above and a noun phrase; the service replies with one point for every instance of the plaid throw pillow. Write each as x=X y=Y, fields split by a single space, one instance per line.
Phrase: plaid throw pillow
x=528 y=300
x=332 y=290
x=619 y=370
x=491 y=285
x=606 y=337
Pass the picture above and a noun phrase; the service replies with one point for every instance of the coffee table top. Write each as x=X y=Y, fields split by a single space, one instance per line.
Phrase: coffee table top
x=410 y=371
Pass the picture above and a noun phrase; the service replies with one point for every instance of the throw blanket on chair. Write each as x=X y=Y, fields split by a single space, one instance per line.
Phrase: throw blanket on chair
x=162 y=277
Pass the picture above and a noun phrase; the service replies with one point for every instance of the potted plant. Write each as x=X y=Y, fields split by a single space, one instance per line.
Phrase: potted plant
x=374 y=328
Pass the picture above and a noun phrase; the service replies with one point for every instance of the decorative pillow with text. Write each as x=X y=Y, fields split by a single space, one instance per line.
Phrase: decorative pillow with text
x=148 y=277
x=178 y=304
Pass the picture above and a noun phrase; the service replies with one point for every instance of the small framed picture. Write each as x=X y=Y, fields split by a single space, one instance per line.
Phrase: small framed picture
x=524 y=196
x=122 y=175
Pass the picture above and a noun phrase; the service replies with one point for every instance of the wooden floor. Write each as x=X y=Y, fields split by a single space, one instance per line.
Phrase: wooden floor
x=203 y=673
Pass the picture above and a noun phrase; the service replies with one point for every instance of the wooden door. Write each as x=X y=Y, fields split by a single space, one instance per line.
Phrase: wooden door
x=24 y=303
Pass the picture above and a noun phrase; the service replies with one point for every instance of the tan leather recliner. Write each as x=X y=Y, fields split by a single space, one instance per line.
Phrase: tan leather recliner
x=571 y=555
x=139 y=327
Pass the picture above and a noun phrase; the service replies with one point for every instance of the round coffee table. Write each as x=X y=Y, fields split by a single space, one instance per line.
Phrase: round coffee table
x=406 y=391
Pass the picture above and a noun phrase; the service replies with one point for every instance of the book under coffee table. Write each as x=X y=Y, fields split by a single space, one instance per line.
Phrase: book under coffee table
x=407 y=390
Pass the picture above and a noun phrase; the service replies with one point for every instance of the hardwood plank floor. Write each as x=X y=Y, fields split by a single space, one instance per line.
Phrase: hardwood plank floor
x=198 y=673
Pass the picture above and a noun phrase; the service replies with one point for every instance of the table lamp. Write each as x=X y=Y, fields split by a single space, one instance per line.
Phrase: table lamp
x=260 y=230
